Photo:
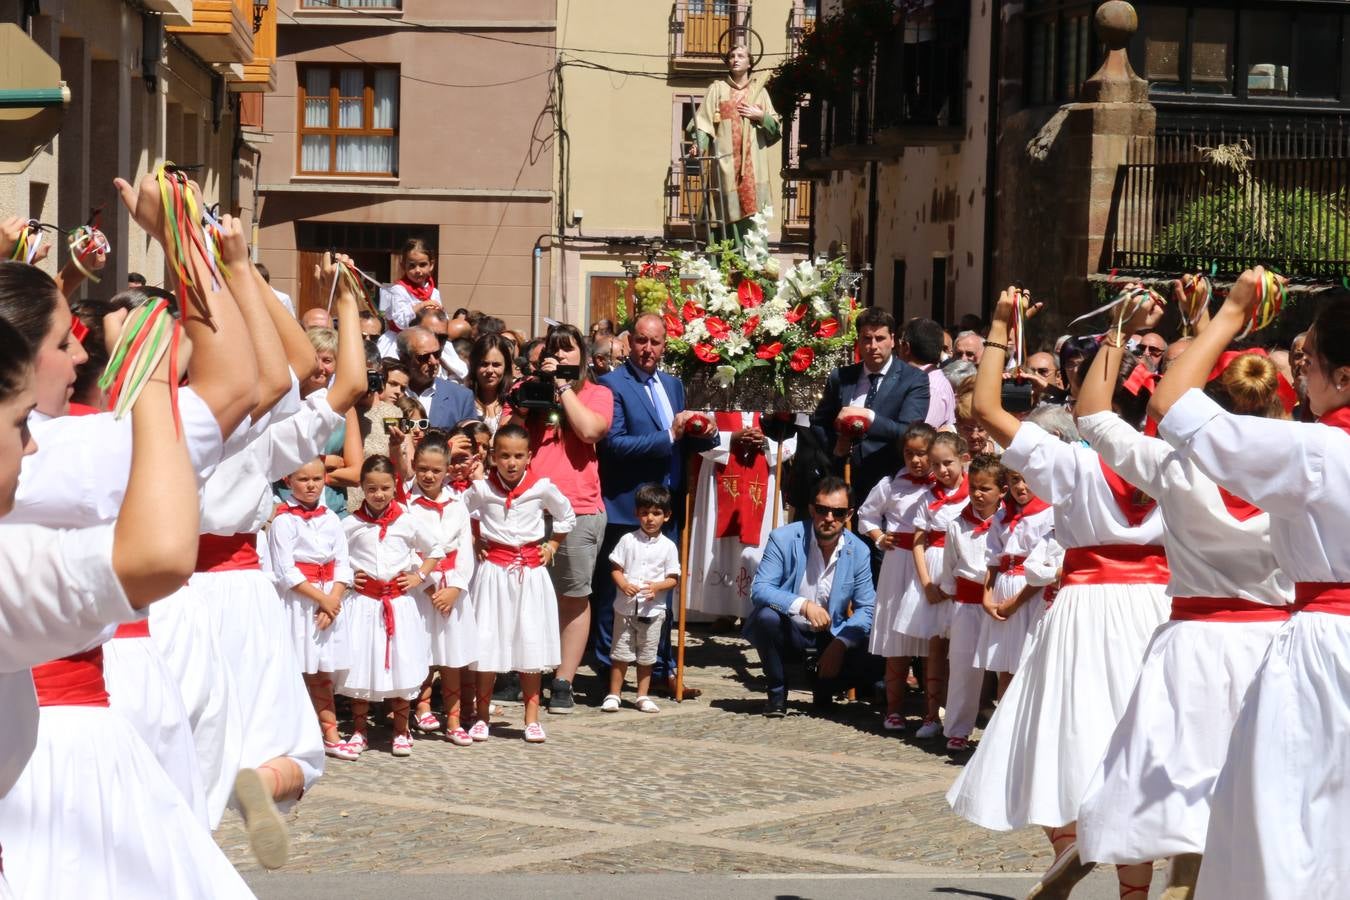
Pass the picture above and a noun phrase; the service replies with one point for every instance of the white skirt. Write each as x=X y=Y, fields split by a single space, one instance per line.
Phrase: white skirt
x=1053 y=725
x=94 y=816
x=142 y=691
x=1280 y=816
x=367 y=677
x=278 y=715
x=1002 y=644
x=316 y=649
x=517 y=616
x=452 y=638
x=914 y=615
x=897 y=571
x=1150 y=796
x=181 y=628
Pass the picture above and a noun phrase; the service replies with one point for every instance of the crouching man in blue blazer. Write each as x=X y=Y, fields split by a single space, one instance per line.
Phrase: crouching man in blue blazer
x=813 y=597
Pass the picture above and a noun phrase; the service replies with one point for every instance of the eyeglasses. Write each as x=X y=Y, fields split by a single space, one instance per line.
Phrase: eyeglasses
x=1044 y=372
x=427 y=357
x=442 y=338
x=1151 y=350
x=826 y=512
x=964 y=354
x=411 y=424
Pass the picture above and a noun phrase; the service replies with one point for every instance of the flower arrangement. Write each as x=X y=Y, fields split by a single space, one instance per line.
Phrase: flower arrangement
x=731 y=312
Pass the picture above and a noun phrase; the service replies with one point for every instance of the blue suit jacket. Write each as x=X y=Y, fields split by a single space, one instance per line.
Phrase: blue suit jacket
x=637 y=449
x=784 y=563
x=452 y=404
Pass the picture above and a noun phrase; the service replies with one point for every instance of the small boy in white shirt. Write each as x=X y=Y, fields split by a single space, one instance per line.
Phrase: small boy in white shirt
x=645 y=564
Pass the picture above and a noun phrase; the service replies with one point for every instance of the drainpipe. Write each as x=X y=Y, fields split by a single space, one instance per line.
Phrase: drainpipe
x=534 y=301
x=873 y=209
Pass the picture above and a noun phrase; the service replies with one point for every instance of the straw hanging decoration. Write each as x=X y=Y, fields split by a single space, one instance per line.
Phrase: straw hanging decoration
x=149 y=332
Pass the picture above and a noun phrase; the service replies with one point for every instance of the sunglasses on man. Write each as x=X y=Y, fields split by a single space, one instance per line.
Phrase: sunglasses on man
x=432 y=356
x=825 y=512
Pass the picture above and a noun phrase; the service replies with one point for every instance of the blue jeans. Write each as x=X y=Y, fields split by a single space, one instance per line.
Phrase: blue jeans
x=778 y=640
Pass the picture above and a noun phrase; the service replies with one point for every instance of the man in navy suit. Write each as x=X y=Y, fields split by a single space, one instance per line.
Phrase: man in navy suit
x=813 y=597
x=883 y=389
x=447 y=404
x=646 y=443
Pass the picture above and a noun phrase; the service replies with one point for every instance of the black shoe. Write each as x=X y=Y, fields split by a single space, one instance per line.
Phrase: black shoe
x=507 y=687
x=560 y=701
x=775 y=708
x=822 y=702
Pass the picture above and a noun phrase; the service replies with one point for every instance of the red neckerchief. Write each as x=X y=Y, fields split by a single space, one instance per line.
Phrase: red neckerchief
x=1133 y=503
x=80 y=409
x=1012 y=513
x=981 y=525
x=512 y=493
x=384 y=519
x=915 y=479
x=941 y=498
x=461 y=485
x=291 y=509
x=1337 y=418
x=420 y=294
x=424 y=501
x=1238 y=508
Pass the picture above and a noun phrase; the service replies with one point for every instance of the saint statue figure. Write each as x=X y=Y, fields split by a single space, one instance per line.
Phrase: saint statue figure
x=738 y=124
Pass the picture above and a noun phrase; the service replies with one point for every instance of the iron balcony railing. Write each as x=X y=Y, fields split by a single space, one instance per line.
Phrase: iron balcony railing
x=703 y=31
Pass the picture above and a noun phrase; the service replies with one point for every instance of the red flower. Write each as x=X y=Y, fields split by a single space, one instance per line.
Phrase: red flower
x=826 y=328
x=690 y=311
x=801 y=359
x=749 y=325
x=750 y=294
x=674 y=327
x=797 y=313
x=706 y=353
x=769 y=351
x=717 y=328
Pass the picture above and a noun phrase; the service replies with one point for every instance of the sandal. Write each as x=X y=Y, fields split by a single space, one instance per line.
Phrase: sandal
x=611 y=703
x=646 y=705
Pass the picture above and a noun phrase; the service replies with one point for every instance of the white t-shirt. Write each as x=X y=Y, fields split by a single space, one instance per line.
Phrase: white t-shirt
x=644 y=560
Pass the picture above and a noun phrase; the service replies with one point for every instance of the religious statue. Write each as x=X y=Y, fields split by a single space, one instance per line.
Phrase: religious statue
x=738 y=122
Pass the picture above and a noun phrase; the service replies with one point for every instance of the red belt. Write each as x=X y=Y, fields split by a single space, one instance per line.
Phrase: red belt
x=970 y=592
x=1322 y=596
x=385 y=592
x=445 y=565
x=72 y=680
x=515 y=559
x=1225 y=609
x=133 y=629
x=937 y=539
x=234 y=553
x=903 y=539
x=1115 y=564
x=1012 y=565
x=317 y=572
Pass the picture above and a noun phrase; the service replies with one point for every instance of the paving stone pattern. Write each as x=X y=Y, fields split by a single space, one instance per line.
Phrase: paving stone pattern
x=707 y=786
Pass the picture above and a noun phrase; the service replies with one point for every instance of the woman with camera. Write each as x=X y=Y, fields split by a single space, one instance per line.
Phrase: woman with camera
x=490 y=374
x=563 y=437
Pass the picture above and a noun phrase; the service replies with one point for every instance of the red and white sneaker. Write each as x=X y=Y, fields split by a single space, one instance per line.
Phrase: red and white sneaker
x=341 y=750
x=357 y=742
x=479 y=731
x=894 y=722
x=534 y=733
x=427 y=722
x=459 y=737
x=958 y=743
x=402 y=745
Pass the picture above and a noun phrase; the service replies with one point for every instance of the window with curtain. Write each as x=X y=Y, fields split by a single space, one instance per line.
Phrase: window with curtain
x=348 y=120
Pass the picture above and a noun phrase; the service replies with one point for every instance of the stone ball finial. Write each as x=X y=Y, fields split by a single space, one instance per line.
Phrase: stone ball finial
x=1117 y=21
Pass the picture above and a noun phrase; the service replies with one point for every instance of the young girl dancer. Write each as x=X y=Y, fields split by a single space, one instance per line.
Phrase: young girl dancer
x=1280 y=817
x=308 y=552
x=392 y=553
x=962 y=578
x=514 y=603
x=887 y=517
x=447 y=612
x=925 y=612
x=1150 y=796
x=403 y=301
x=1047 y=736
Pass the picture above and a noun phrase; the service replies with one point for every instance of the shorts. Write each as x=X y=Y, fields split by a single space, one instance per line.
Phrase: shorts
x=574 y=566
x=642 y=634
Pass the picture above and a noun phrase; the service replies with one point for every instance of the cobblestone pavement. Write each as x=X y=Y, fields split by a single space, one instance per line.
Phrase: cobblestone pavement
x=707 y=786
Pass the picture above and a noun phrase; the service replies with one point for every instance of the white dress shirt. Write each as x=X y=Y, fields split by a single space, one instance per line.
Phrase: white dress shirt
x=644 y=560
x=865 y=383
x=291 y=540
x=817 y=582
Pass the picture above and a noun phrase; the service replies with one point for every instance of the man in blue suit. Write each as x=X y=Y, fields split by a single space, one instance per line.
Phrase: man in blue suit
x=447 y=404
x=646 y=443
x=813 y=597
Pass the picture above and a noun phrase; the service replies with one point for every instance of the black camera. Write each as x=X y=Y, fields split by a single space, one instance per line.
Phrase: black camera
x=374 y=380
x=532 y=394
x=1017 y=396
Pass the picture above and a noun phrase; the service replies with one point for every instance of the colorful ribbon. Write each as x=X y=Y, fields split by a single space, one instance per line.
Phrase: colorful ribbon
x=181 y=220
x=352 y=277
x=149 y=332
x=1131 y=300
x=1017 y=336
x=84 y=242
x=1196 y=291
x=30 y=239
x=1271 y=293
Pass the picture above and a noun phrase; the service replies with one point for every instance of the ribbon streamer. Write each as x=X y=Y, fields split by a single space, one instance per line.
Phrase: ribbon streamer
x=86 y=241
x=352 y=277
x=1271 y=294
x=211 y=232
x=1196 y=291
x=1017 y=338
x=181 y=218
x=148 y=333
x=30 y=239
x=1132 y=298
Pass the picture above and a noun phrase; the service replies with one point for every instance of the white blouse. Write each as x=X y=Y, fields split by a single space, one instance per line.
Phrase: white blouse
x=892 y=505
x=964 y=556
x=1209 y=551
x=1069 y=478
x=397 y=304
x=1297 y=472
x=453 y=531
x=291 y=540
x=935 y=521
x=523 y=523
x=1026 y=533
x=405 y=546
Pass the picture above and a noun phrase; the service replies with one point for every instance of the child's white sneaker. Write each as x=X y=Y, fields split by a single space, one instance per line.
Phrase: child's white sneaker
x=479 y=731
x=534 y=733
x=647 y=705
x=929 y=729
x=402 y=745
x=611 y=703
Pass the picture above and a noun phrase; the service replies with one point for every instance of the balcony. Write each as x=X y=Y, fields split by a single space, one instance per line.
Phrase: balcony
x=700 y=34
x=221 y=32
x=175 y=12
x=260 y=73
x=684 y=198
x=797 y=209
x=801 y=19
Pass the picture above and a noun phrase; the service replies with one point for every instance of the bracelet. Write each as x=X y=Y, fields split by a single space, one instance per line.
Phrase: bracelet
x=996 y=345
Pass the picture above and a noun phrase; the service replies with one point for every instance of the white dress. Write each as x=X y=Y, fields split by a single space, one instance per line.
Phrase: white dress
x=1280 y=816
x=721 y=569
x=892 y=506
x=962 y=578
x=1041 y=747
x=915 y=617
x=514 y=603
x=452 y=638
x=1001 y=644
x=1150 y=796
x=294 y=541
x=388 y=641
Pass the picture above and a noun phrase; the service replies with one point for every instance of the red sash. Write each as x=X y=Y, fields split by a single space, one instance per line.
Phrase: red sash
x=1115 y=564
x=133 y=629
x=1012 y=565
x=385 y=592
x=1237 y=507
x=904 y=540
x=1322 y=596
x=445 y=565
x=317 y=572
x=235 y=553
x=742 y=488
x=72 y=680
x=1225 y=609
x=936 y=539
x=514 y=560
x=969 y=592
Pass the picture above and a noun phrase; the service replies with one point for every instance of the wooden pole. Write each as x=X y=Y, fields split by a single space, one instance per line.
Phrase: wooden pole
x=684 y=581
x=777 y=484
x=848 y=480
